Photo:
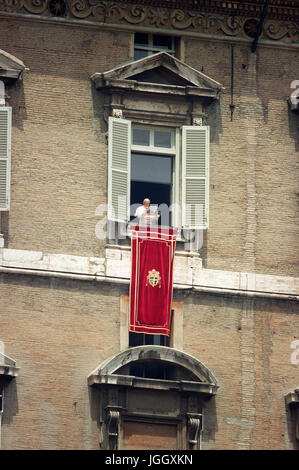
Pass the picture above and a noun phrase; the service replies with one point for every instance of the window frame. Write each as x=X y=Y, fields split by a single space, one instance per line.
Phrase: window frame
x=174 y=152
x=151 y=49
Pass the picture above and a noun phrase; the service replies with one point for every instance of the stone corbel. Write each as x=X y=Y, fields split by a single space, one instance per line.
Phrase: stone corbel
x=198 y=117
x=292 y=400
x=197 y=121
x=194 y=427
x=112 y=417
x=114 y=111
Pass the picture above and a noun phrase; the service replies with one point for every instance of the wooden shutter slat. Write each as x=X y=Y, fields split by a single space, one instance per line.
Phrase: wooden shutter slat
x=5 y=156
x=195 y=177
x=119 y=162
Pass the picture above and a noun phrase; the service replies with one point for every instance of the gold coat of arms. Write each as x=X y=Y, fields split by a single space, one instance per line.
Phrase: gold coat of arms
x=153 y=278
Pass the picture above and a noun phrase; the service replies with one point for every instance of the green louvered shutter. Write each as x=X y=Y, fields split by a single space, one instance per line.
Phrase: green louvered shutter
x=195 y=177
x=119 y=166
x=5 y=150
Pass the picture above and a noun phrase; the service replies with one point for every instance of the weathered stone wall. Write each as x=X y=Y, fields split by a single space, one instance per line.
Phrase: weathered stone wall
x=61 y=330
x=59 y=153
x=247 y=345
x=254 y=158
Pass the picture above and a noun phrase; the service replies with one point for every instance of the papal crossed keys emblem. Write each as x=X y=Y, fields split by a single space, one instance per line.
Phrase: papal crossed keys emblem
x=153 y=278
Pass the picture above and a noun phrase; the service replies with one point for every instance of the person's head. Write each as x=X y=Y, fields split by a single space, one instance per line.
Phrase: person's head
x=146 y=202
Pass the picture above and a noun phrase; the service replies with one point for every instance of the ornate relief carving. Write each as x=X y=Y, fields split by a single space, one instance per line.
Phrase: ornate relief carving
x=276 y=30
x=35 y=6
x=193 y=429
x=117 y=113
x=220 y=22
x=112 y=428
x=197 y=121
x=11 y=4
x=137 y=14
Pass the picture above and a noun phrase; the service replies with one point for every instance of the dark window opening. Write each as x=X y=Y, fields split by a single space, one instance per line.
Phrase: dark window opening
x=151 y=177
x=141 y=339
x=148 y=44
x=149 y=370
x=1 y=397
x=152 y=369
x=141 y=39
x=163 y=42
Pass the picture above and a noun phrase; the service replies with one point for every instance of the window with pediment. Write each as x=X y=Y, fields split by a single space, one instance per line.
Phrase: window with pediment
x=158 y=146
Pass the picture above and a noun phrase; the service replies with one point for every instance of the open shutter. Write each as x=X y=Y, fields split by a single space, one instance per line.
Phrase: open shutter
x=5 y=149
x=119 y=167
x=195 y=177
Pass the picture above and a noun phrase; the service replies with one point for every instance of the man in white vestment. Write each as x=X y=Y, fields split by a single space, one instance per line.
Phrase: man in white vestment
x=146 y=214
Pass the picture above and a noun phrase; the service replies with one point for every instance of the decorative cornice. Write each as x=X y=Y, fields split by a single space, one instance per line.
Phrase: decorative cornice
x=208 y=17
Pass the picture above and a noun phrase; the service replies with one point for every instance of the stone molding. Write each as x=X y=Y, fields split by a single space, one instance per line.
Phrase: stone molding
x=184 y=82
x=129 y=397
x=162 y=353
x=115 y=267
x=233 y=19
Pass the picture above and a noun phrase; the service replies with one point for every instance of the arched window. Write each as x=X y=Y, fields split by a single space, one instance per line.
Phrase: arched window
x=152 y=397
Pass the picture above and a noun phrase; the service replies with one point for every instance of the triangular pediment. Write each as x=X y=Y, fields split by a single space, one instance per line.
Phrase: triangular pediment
x=10 y=66
x=161 y=69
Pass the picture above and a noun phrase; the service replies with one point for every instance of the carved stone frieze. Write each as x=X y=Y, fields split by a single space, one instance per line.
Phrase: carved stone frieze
x=232 y=19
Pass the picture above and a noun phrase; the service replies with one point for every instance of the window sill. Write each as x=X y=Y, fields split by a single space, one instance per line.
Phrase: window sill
x=118 y=264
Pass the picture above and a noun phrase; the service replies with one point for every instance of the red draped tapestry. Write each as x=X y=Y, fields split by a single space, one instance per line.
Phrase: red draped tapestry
x=151 y=279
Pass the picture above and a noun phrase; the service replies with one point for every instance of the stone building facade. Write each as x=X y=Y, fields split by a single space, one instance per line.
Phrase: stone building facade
x=229 y=376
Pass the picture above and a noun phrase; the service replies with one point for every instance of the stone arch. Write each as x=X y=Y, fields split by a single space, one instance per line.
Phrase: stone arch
x=129 y=401
x=157 y=353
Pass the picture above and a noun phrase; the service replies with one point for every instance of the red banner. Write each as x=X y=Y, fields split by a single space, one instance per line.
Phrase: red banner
x=151 y=279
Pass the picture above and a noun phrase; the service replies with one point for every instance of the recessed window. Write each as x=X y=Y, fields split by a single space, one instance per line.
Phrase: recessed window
x=152 y=168
x=148 y=44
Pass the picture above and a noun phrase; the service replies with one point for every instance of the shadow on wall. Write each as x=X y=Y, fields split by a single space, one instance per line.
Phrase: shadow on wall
x=94 y=395
x=4 y=226
x=214 y=120
x=100 y=103
x=294 y=127
x=10 y=408
x=291 y=426
x=15 y=91
x=210 y=424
